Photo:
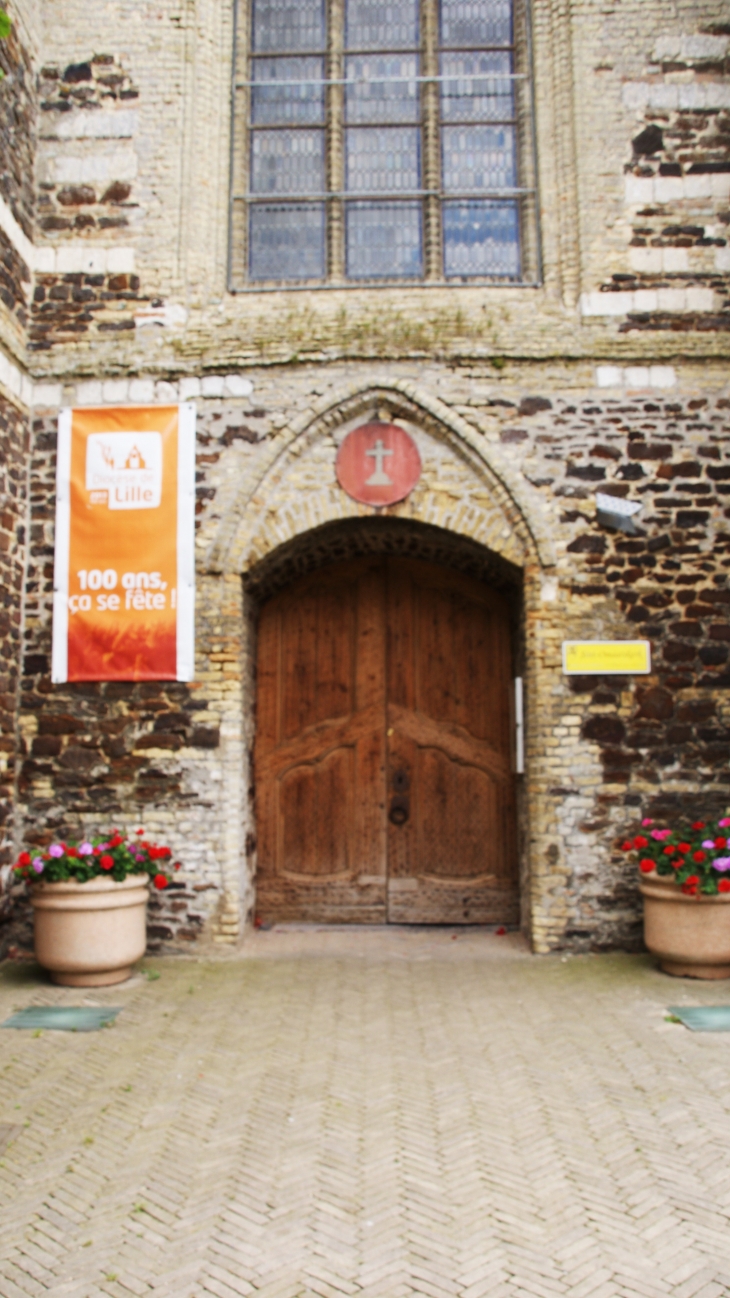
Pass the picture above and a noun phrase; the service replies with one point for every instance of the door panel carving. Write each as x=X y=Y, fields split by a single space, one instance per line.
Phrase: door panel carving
x=314 y=815
x=384 y=788
x=320 y=748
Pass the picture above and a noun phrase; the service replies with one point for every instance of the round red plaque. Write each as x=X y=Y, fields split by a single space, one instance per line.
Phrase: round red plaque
x=378 y=464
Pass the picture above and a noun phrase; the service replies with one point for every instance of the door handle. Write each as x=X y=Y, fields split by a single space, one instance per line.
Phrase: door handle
x=399 y=810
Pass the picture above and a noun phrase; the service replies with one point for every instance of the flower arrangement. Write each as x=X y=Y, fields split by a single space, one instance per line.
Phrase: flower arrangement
x=697 y=855
x=113 y=855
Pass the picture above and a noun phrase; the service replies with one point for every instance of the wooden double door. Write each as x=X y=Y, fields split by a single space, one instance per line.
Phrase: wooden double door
x=382 y=762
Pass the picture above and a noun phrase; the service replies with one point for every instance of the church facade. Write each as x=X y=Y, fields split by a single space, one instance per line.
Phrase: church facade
x=502 y=228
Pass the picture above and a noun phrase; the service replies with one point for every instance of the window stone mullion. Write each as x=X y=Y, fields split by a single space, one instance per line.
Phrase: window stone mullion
x=335 y=140
x=431 y=140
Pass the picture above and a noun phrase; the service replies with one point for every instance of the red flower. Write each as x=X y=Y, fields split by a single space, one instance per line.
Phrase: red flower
x=24 y=858
x=115 y=841
x=720 y=842
x=640 y=841
x=139 y=831
x=698 y=857
x=698 y=824
x=106 y=861
x=692 y=879
x=177 y=865
x=723 y=885
x=71 y=851
x=684 y=847
x=677 y=865
x=627 y=847
x=160 y=881
x=689 y=889
x=668 y=851
x=646 y=866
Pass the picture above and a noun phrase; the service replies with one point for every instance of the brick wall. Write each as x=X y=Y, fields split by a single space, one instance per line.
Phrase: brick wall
x=14 y=445
x=79 y=102
x=602 y=752
x=681 y=161
x=98 y=754
x=66 y=307
x=121 y=167
x=18 y=114
x=14 y=281
x=610 y=375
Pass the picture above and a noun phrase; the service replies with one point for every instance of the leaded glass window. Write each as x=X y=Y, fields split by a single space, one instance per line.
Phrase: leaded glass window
x=381 y=141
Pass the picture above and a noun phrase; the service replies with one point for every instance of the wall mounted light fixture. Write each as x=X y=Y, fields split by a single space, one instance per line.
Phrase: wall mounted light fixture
x=614 y=512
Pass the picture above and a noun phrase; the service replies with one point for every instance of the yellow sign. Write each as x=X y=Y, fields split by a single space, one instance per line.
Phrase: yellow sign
x=606 y=657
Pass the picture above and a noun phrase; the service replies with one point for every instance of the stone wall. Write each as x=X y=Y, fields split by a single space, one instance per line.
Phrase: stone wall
x=14 y=281
x=633 y=231
x=18 y=125
x=155 y=755
x=509 y=466
x=610 y=374
x=66 y=307
x=14 y=447
x=18 y=118
x=678 y=181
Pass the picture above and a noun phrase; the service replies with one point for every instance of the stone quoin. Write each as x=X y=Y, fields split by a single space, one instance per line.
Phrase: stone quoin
x=513 y=341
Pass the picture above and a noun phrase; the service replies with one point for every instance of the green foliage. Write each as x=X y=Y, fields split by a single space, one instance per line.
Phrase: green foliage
x=696 y=855
x=113 y=855
x=5 y=25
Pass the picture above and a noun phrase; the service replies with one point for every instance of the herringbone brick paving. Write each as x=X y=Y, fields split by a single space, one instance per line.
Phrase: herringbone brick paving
x=381 y=1113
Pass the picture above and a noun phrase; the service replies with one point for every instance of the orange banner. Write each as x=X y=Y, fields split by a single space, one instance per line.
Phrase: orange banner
x=124 y=490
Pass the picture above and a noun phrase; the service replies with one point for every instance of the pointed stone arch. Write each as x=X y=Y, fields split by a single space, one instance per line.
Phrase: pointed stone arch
x=274 y=517
x=467 y=486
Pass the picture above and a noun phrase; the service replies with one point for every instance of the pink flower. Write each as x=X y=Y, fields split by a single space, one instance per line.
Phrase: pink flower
x=38 y=864
x=646 y=821
x=55 y=850
x=85 y=849
x=708 y=842
x=660 y=834
x=724 y=822
x=721 y=863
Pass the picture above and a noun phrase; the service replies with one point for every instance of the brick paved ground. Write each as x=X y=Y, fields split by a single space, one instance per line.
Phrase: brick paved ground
x=371 y=1113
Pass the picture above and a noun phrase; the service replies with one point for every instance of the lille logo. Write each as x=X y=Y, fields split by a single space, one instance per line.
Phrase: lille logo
x=378 y=464
x=124 y=470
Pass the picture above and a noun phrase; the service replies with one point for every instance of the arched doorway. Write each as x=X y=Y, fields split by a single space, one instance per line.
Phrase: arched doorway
x=383 y=774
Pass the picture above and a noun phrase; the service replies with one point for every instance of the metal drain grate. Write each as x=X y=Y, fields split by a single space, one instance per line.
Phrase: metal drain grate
x=63 y=1018
x=703 y=1018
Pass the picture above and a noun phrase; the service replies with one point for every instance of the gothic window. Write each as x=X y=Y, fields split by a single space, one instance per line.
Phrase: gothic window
x=381 y=141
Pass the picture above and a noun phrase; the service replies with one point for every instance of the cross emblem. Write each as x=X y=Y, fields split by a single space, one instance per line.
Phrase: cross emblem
x=378 y=478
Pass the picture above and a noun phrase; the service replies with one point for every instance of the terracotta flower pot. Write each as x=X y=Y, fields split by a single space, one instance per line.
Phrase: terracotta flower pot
x=90 y=934
x=690 y=935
